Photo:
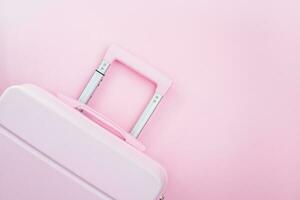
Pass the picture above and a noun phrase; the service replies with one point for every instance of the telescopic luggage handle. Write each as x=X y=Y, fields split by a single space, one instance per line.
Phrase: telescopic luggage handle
x=115 y=53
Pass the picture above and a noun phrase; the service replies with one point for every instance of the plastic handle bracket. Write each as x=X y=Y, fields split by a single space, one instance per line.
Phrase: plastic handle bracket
x=103 y=121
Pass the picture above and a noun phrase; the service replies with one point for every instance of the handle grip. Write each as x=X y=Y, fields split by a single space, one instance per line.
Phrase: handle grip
x=115 y=53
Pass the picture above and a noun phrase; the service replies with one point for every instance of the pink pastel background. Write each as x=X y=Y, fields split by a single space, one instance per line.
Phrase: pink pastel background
x=229 y=127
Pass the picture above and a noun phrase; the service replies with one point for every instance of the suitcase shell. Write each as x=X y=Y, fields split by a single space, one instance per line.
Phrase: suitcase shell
x=51 y=151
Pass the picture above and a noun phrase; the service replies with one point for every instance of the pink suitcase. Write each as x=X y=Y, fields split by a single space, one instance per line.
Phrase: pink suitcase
x=56 y=148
